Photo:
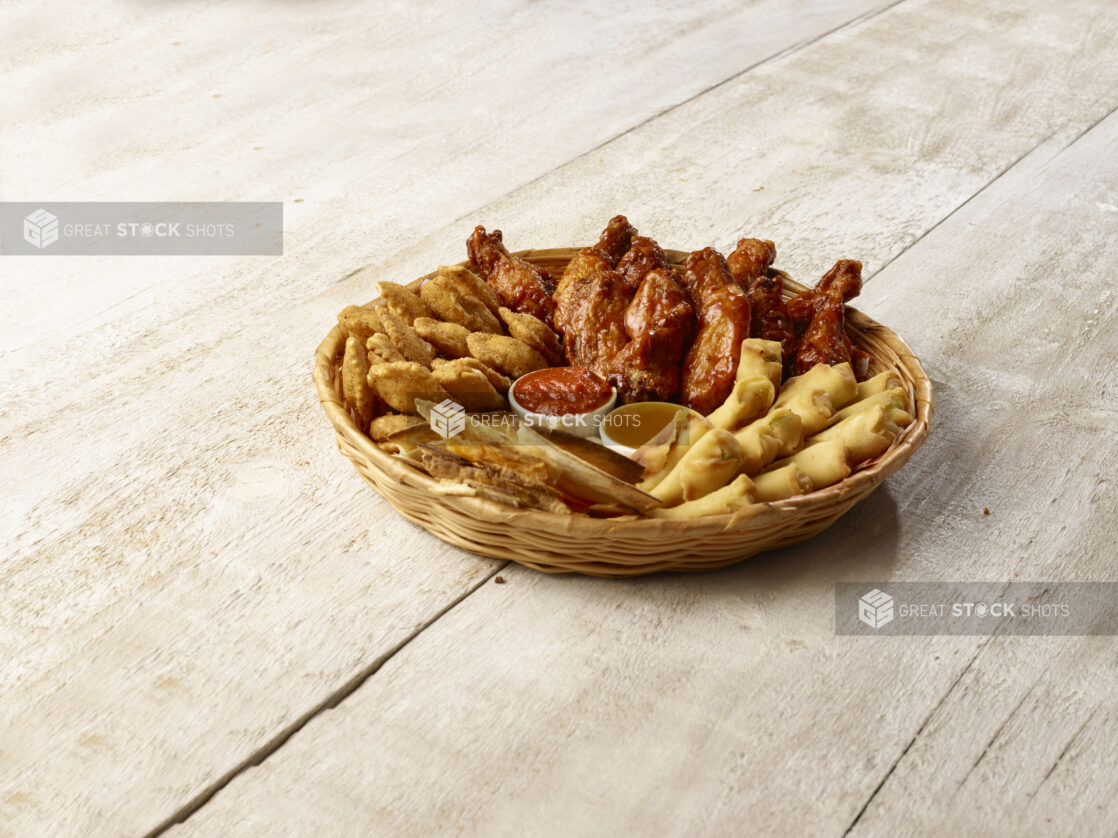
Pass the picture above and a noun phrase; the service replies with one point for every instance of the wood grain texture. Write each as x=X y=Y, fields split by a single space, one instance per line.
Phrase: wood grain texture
x=724 y=704
x=189 y=567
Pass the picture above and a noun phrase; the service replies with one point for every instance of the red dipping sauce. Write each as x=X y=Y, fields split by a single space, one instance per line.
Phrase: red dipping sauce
x=561 y=390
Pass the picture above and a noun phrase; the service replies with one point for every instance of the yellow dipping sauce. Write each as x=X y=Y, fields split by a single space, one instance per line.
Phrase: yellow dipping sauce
x=632 y=425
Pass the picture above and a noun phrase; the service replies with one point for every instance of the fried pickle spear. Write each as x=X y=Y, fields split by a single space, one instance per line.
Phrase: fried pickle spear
x=603 y=256
x=450 y=296
x=403 y=302
x=659 y=321
x=358 y=396
x=723 y=323
x=507 y=355
x=469 y=387
x=400 y=383
x=534 y=332
x=361 y=322
x=447 y=338
x=518 y=284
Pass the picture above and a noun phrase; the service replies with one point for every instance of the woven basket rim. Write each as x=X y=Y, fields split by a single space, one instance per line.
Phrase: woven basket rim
x=858 y=324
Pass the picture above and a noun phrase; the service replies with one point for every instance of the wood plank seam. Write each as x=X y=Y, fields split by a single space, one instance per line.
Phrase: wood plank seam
x=997 y=733
x=991 y=182
x=1063 y=753
x=923 y=725
x=331 y=701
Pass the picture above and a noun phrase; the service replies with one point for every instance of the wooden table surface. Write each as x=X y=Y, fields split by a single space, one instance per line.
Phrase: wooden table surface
x=209 y=625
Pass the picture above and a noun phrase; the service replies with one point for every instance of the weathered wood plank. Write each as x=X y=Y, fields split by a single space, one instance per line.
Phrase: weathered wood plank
x=724 y=704
x=189 y=567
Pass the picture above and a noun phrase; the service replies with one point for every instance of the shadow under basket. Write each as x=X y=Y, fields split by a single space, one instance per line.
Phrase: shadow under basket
x=555 y=543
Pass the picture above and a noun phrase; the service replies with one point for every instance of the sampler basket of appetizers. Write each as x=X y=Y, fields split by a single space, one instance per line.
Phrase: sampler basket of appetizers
x=620 y=409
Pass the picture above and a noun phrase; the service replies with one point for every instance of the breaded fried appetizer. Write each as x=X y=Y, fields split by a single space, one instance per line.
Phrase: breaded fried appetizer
x=358 y=396
x=469 y=284
x=535 y=333
x=447 y=338
x=360 y=322
x=507 y=355
x=403 y=302
x=405 y=339
x=469 y=387
x=501 y=383
x=385 y=426
x=446 y=299
x=400 y=383
x=382 y=349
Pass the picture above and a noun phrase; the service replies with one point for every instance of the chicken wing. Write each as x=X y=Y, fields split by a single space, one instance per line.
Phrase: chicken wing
x=643 y=255
x=818 y=317
x=843 y=282
x=520 y=285
x=751 y=260
x=722 y=309
x=824 y=341
x=659 y=322
x=594 y=330
x=603 y=256
x=769 y=319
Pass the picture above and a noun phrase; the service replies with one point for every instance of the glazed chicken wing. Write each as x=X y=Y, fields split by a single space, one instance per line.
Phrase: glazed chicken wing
x=819 y=318
x=594 y=327
x=723 y=323
x=769 y=320
x=843 y=283
x=643 y=255
x=659 y=322
x=750 y=261
x=603 y=256
x=521 y=286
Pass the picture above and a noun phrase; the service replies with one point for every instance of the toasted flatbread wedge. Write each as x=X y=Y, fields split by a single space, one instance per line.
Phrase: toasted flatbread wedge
x=582 y=480
x=606 y=459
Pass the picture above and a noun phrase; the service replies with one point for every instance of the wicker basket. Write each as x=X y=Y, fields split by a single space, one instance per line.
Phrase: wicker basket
x=556 y=543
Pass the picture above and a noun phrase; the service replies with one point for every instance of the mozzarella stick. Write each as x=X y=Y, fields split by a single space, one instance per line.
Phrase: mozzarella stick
x=708 y=465
x=778 y=433
x=825 y=464
x=730 y=497
x=781 y=483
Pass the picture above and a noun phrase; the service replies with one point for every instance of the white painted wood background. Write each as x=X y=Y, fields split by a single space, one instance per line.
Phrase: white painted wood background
x=207 y=617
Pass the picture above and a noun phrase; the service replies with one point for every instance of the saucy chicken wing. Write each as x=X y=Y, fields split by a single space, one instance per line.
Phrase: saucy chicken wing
x=819 y=318
x=843 y=282
x=751 y=260
x=722 y=309
x=520 y=285
x=659 y=322
x=594 y=327
x=643 y=255
x=769 y=320
x=603 y=256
